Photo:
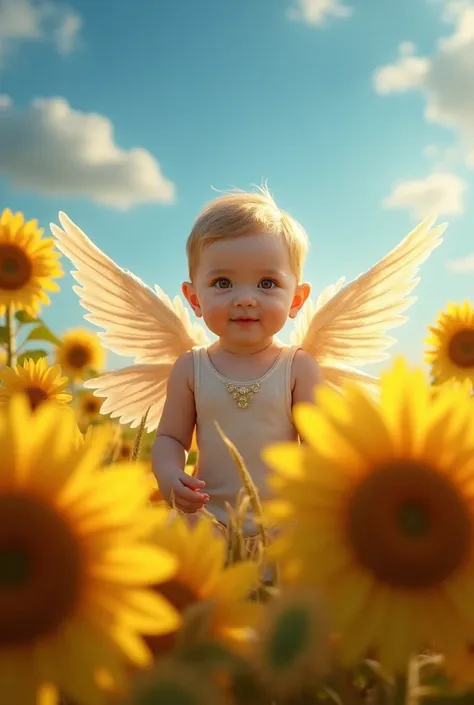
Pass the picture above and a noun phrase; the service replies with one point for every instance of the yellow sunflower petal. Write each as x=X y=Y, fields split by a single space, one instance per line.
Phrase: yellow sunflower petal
x=17 y=679
x=143 y=611
x=135 y=565
x=287 y=458
x=237 y=581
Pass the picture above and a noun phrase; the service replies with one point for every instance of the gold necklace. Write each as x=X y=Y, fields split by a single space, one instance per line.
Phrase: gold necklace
x=242 y=395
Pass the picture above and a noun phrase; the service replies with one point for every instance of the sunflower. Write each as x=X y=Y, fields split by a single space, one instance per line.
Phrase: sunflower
x=202 y=583
x=377 y=511
x=89 y=406
x=75 y=566
x=28 y=264
x=452 y=341
x=37 y=380
x=80 y=351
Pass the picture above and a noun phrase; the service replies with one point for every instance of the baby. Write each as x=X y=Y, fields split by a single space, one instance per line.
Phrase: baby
x=245 y=260
x=245 y=281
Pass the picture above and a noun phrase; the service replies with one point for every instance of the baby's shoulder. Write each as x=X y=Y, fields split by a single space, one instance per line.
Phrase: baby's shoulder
x=304 y=366
x=184 y=366
x=184 y=361
x=304 y=360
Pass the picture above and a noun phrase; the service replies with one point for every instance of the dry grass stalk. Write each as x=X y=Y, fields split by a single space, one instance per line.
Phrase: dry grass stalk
x=138 y=438
x=248 y=484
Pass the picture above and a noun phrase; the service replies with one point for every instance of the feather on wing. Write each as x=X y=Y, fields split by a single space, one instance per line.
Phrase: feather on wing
x=129 y=392
x=137 y=321
x=349 y=324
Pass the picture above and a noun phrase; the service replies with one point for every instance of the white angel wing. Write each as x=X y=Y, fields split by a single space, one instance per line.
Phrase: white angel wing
x=130 y=392
x=348 y=325
x=335 y=375
x=137 y=321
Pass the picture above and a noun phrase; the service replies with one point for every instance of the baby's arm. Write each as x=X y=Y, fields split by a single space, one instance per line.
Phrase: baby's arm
x=306 y=375
x=174 y=437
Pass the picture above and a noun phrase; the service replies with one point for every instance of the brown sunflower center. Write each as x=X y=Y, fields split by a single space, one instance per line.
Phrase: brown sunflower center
x=181 y=597
x=125 y=452
x=408 y=525
x=15 y=566
x=78 y=356
x=92 y=406
x=179 y=594
x=15 y=267
x=40 y=570
x=461 y=348
x=413 y=518
x=36 y=396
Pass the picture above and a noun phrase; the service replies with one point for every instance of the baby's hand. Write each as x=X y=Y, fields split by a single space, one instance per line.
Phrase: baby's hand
x=187 y=496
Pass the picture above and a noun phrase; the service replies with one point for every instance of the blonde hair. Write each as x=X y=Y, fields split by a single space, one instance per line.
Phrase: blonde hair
x=241 y=213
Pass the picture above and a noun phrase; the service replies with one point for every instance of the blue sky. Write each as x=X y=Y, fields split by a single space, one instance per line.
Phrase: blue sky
x=355 y=113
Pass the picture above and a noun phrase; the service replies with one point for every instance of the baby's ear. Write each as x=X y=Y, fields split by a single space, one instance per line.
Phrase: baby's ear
x=189 y=293
x=302 y=292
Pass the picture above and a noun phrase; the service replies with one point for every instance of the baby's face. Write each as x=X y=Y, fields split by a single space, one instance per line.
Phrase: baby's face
x=245 y=289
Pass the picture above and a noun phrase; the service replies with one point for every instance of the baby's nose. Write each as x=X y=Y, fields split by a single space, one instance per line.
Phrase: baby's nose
x=244 y=297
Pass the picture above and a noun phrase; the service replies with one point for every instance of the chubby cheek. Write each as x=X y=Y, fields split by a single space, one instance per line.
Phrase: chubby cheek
x=277 y=310
x=214 y=313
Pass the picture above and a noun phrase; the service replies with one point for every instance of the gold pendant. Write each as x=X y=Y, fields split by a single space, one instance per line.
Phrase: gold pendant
x=243 y=395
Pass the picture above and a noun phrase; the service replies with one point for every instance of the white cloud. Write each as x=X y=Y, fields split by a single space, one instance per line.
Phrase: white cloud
x=445 y=79
x=51 y=149
x=439 y=193
x=38 y=20
x=316 y=12
x=431 y=151
x=462 y=265
x=407 y=72
x=67 y=33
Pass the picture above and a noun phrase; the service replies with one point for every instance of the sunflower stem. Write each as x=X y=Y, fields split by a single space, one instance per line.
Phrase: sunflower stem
x=73 y=390
x=400 y=691
x=11 y=337
x=413 y=682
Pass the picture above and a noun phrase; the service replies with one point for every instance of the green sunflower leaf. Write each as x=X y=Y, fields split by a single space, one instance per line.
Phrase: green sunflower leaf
x=42 y=332
x=289 y=638
x=31 y=354
x=22 y=317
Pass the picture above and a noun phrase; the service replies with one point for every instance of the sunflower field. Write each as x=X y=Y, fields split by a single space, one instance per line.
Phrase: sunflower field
x=107 y=595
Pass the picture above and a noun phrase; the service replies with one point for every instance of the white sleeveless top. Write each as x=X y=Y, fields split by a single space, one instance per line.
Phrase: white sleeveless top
x=252 y=415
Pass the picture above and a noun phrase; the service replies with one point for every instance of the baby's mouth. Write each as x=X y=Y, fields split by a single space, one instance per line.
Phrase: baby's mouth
x=244 y=319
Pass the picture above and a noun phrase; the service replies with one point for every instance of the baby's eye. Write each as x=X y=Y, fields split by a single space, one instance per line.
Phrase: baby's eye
x=222 y=283
x=267 y=284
